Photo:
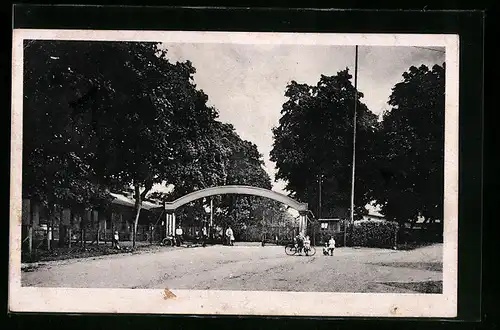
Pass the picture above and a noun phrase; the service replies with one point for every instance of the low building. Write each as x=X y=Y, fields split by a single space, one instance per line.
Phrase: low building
x=92 y=224
x=330 y=225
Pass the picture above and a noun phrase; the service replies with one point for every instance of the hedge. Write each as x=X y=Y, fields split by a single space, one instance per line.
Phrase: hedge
x=370 y=233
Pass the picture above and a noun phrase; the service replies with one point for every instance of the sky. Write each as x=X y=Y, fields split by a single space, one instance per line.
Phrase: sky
x=246 y=83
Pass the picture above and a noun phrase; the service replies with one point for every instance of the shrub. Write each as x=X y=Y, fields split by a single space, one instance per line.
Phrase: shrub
x=251 y=234
x=371 y=233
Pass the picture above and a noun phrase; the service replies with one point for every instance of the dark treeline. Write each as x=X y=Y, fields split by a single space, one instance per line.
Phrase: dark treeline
x=399 y=159
x=119 y=116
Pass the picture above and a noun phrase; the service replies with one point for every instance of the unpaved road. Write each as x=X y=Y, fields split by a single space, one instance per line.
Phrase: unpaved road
x=245 y=268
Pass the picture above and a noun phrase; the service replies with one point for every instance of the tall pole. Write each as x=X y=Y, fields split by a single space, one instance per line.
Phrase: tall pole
x=319 y=192
x=320 y=183
x=354 y=137
x=211 y=212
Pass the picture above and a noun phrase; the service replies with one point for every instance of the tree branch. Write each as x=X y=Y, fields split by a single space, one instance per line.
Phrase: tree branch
x=147 y=188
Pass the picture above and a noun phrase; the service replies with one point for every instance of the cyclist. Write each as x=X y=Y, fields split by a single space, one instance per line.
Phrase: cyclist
x=299 y=241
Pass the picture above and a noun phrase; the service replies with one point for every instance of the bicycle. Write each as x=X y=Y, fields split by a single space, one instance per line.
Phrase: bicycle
x=292 y=249
x=168 y=241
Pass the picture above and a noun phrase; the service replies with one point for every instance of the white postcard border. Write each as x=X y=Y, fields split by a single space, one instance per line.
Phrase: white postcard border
x=72 y=300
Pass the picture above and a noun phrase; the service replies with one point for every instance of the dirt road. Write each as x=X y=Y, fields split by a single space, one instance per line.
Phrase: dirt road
x=246 y=268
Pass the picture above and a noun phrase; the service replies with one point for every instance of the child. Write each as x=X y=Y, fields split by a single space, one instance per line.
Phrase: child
x=331 y=245
x=307 y=243
x=325 y=249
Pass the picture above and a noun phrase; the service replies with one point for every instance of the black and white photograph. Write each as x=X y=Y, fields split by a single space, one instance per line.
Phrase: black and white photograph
x=234 y=173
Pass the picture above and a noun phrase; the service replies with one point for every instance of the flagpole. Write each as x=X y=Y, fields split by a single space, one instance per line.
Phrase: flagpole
x=354 y=138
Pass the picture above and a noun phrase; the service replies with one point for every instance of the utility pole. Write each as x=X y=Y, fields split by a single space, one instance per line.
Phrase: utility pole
x=354 y=139
x=319 y=192
x=320 y=182
x=211 y=217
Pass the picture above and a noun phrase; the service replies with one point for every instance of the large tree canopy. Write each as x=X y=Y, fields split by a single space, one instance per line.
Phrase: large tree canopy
x=120 y=116
x=237 y=162
x=411 y=155
x=315 y=138
x=110 y=114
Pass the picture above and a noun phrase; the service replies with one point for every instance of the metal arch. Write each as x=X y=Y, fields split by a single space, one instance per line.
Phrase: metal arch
x=236 y=189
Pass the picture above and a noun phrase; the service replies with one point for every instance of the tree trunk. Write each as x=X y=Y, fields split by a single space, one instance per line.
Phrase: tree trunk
x=30 y=240
x=139 y=197
x=70 y=237
x=150 y=234
x=138 y=206
x=82 y=230
x=62 y=234
x=98 y=232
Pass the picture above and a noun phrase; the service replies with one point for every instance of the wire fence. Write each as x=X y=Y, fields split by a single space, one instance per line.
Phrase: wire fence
x=64 y=236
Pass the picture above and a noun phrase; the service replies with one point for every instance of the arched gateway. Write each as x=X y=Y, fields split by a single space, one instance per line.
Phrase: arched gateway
x=170 y=207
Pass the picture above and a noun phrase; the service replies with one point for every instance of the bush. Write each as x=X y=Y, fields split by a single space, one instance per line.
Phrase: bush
x=250 y=234
x=378 y=234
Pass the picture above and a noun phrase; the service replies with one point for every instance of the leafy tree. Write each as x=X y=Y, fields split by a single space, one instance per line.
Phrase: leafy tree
x=121 y=108
x=56 y=147
x=315 y=138
x=225 y=159
x=243 y=165
x=411 y=154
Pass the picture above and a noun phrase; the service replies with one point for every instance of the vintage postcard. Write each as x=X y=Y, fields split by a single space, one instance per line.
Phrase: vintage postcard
x=175 y=172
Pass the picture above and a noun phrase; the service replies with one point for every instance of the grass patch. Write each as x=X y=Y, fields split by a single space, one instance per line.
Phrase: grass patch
x=420 y=287
x=432 y=266
x=76 y=252
x=413 y=245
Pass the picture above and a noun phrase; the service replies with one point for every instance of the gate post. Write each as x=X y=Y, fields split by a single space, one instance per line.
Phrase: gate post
x=302 y=222
x=170 y=223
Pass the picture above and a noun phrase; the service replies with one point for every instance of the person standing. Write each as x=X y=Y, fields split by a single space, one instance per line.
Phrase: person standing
x=204 y=236
x=229 y=235
x=331 y=245
x=178 y=235
x=116 y=238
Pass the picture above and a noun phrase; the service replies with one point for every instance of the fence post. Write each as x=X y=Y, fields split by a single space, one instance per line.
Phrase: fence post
x=70 y=234
x=95 y=219
x=395 y=238
x=113 y=228
x=26 y=220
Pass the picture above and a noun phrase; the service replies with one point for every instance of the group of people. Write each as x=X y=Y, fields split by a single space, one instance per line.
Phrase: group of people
x=229 y=236
x=303 y=242
x=329 y=247
x=179 y=236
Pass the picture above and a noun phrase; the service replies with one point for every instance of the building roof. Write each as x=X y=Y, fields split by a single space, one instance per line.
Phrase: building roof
x=374 y=215
x=120 y=199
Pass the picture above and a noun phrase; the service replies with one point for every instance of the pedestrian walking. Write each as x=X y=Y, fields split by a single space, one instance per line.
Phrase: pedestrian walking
x=230 y=236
